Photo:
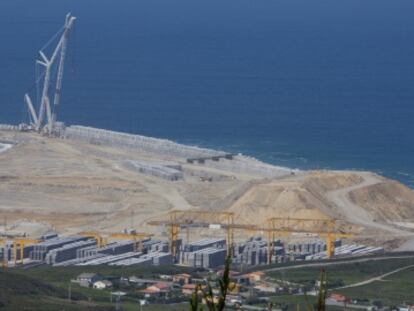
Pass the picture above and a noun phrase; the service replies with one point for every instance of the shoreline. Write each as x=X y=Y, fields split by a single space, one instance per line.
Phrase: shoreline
x=171 y=150
x=161 y=146
x=193 y=149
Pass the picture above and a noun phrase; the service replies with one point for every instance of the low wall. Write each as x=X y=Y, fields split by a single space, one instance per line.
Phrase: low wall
x=238 y=164
x=147 y=144
x=9 y=127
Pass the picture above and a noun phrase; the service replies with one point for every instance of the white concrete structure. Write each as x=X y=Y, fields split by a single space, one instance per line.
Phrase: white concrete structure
x=4 y=147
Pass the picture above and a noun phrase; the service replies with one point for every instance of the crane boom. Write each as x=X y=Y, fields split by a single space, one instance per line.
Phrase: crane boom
x=45 y=100
x=68 y=24
x=31 y=108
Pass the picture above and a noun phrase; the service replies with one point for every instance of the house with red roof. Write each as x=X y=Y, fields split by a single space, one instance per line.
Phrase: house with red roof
x=182 y=278
x=339 y=298
x=157 y=290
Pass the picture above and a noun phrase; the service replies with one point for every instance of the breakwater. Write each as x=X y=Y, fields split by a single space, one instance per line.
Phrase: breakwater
x=169 y=149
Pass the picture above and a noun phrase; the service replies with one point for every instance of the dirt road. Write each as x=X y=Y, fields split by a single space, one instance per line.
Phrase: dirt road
x=357 y=214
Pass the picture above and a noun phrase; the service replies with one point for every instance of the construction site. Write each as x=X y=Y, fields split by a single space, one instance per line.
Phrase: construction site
x=77 y=195
x=130 y=248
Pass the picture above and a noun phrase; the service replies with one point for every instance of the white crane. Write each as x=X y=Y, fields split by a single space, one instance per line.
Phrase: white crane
x=38 y=120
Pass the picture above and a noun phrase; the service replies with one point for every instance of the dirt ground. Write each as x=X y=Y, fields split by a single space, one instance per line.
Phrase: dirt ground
x=71 y=186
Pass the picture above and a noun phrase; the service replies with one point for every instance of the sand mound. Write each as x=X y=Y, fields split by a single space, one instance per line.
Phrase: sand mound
x=320 y=182
x=350 y=196
x=387 y=201
x=277 y=199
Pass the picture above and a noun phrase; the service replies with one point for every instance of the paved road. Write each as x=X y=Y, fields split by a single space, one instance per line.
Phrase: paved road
x=377 y=278
x=350 y=306
x=339 y=262
x=407 y=245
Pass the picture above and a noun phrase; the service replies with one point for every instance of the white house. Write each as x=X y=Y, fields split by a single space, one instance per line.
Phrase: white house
x=88 y=279
x=102 y=284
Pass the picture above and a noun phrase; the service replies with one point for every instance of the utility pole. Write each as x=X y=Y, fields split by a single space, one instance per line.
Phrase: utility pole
x=70 y=292
x=118 y=303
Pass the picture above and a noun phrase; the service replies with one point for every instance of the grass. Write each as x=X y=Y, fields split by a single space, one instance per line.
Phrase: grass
x=46 y=288
x=49 y=286
x=341 y=274
x=394 y=289
x=20 y=292
x=62 y=275
x=295 y=302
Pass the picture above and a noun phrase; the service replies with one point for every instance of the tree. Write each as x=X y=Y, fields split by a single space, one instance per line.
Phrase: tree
x=320 y=305
x=207 y=293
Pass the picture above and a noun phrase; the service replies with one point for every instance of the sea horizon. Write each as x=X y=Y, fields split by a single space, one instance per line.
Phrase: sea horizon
x=328 y=86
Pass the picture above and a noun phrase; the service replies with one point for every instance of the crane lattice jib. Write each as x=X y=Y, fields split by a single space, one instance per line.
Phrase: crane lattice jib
x=48 y=62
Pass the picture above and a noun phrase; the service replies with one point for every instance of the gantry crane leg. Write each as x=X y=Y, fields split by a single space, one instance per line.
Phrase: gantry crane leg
x=330 y=246
x=230 y=240
x=174 y=230
x=269 y=248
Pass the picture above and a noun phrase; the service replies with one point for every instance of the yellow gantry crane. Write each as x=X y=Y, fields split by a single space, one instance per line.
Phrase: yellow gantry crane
x=19 y=244
x=187 y=219
x=103 y=238
x=4 y=261
x=98 y=236
x=325 y=228
x=274 y=227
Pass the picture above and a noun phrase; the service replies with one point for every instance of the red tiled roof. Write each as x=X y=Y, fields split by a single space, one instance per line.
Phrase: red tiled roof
x=189 y=286
x=338 y=297
x=161 y=285
x=148 y=291
x=258 y=273
x=184 y=275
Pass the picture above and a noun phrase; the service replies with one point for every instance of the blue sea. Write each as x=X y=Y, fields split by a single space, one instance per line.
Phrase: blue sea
x=308 y=84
